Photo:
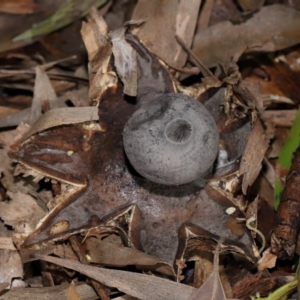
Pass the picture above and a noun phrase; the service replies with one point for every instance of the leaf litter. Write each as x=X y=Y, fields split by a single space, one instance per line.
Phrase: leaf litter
x=71 y=158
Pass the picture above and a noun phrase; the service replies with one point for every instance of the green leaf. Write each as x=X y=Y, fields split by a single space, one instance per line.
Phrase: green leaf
x=286 y=156
x=69 y=13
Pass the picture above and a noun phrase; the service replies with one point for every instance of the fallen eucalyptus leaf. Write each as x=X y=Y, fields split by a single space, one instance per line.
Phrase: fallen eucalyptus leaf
x=144 y=287
x=21 y=209
x=111 y=254
x=60 y=292
x=212 y=287
x=63 y=116
x=72 y=293
x=261 y=32
x=251 y=161
x=125 y=61
x=165 y=20
x=7 y=243
x=11 y=266
x=43 y=91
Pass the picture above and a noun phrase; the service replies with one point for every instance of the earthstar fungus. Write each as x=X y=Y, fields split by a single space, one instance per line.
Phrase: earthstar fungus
x=103 y=190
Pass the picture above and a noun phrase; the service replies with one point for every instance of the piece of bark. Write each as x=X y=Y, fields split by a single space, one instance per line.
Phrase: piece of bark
x=245 y=282
x=286 y=230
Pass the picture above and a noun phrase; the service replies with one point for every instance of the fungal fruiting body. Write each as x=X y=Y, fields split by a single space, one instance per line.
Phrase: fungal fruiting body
x=171 y=140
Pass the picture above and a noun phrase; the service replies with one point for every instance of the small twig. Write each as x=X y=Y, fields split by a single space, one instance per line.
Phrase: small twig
x=205 y=71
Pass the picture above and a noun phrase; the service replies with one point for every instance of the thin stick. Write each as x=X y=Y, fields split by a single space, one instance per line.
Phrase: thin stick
x=205 y=71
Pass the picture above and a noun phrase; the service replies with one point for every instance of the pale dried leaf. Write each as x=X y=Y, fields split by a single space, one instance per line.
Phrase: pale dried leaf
x=205 y=14
x=253 y=155
x=24 y=115
x=6 y=243
x=94 y=33
x=158 y=33
x=60 y=292
x=63 y=116
x=282 y=118
x=60 y=250
x=11 y=265
x=43 y=91
x=269 y=172
x=142 y=286
x=111 y=254
x=186 y=20
x=16 y=118
x=261 y=32
x=3 y=286
x=5 y=111
x=5 y=160
x=21 y=209
x=72 y=293
x=212 y=287
x=125 y=61
x=79 y=97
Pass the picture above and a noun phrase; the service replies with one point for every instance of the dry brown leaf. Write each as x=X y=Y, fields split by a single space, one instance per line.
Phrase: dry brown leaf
x=60 y=250
x=6 y=243
x=60 y=292
x=102 y=77
x=125 y=61
x=142 y=286
x=94 y=33
x=19 y=7
x=11 y=266
x=110 y=254
x=253 y=155
x=16 y=118
x=72 y=293
x=5 y=111
x=21 y=209
x=79 y=97
x=205 y=14
x=164 y=20
x=261 y=32
x=186 y=20
x=282 y=118
x=212 y=287
x=3 y=286
x=63 y=116
x=43 y=91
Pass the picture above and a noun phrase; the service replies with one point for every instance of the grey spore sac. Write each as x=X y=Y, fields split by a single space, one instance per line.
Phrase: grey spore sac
x=171 y=140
